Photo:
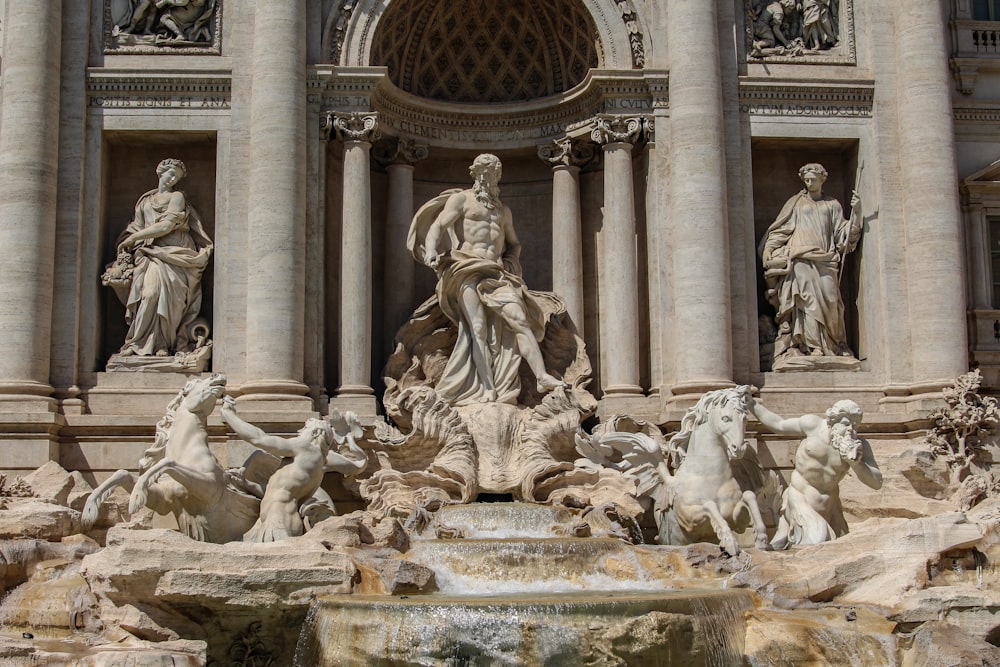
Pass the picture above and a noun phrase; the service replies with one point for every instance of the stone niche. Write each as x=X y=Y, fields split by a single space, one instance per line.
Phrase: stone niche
x=526 y=187
x=131 y=160
x=776 y=164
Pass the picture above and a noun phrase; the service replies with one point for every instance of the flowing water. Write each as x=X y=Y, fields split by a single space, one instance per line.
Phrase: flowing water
x=516 y=594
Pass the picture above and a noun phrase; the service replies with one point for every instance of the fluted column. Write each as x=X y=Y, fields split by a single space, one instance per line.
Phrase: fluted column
x=358 y=131
x=928 y=174
x=567 y=156
x=29 y=155
x=702 y=328
x=276 y=210
x=399 y=162
x=618 y=273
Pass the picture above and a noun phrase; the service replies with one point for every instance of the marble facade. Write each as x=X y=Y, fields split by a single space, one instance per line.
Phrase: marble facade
x=642 y=173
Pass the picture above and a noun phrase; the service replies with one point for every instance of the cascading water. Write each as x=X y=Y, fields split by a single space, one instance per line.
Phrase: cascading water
x=519 y=595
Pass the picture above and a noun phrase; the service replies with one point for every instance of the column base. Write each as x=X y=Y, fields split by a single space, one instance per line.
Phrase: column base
x=636 y=406
x=358 y=399
x=277 y=400
x=26 y=396
x=686 y=394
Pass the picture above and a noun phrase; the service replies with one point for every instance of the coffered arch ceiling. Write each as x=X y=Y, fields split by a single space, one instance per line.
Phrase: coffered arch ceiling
x=486 y=51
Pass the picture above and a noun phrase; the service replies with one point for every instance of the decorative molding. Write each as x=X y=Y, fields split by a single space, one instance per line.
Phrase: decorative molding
x=399 y=150
x=844 y=53
x=513 y=125
x=158 y=90
x=807 y=99
x=978 y=115
x=614 y=129
x=568 y=152
x=634 y=30
x=340 y=18
x=354 y=126
x=120 y=43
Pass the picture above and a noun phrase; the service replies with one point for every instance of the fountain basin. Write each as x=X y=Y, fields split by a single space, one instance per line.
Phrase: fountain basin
x=618 y=628
x=542 y=565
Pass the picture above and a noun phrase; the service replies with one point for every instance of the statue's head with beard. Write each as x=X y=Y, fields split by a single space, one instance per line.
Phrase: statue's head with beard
x=486 y=169
x=844 y=417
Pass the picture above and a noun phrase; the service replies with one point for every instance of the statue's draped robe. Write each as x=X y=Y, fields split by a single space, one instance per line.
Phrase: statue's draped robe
x=813 y=238
x=165 y=296
x=496 y=286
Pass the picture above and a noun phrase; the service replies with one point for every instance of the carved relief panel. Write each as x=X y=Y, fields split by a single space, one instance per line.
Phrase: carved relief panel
x=164 y=26
x=800 y=31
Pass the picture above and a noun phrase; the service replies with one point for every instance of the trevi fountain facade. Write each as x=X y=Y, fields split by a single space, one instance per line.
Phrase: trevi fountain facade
x=463 y=332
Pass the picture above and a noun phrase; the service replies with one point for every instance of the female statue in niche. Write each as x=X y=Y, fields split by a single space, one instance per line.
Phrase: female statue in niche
x=803 y=254
x=157 y=274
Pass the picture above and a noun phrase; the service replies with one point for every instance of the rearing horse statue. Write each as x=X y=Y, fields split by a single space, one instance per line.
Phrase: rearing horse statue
x=180 y=475
x=698 y=486
x=703 y=500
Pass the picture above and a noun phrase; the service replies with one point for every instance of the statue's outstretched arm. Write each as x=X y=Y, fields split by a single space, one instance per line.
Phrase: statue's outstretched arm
x=255 y=436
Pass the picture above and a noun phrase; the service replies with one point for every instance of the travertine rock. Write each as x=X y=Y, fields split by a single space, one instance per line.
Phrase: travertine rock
x=137 y=566
x=399 y=576
x=876 y=565
x=839 y=636
x=101 y=652
x=941 y=644
x=51 y=482
x=33 y=518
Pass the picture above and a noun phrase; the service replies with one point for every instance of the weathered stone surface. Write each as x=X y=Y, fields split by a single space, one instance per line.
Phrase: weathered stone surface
x=875 y=565
x=163 y=564
x=975 y=609
x=819 y=637
x=100 y=652
x=55 y=599
x=399 y=576
x=39 y=519
x=51 y=482
x=941 y=644
x=915 y=484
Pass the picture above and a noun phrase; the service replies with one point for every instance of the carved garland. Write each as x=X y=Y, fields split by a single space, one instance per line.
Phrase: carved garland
x=631 y=19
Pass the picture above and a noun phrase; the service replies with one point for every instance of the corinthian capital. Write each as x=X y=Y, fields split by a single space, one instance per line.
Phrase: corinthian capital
x=354 y=125
x=615 y=129
x=399 y=150
x=567 y=151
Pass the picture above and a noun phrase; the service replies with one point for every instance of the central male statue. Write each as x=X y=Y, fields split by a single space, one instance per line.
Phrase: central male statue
x=480 y=289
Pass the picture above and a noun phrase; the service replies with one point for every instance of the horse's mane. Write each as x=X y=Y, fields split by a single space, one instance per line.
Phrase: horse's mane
x=698 y=413
x=159 y=447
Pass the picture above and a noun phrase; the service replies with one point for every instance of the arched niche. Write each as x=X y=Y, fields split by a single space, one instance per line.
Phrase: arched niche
x=351 y=27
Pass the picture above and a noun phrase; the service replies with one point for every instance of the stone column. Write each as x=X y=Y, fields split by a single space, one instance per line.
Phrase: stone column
x=399 y=160
x=276 y=210
x=702 y=330
x=618 y=273
x=567 y=156
x=928 y=174
x=29 y=157
x=29 y=162
x=358 y=131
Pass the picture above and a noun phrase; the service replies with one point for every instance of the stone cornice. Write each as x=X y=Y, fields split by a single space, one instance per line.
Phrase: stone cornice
x=515 y=125
x=152 y=89
x=807 y=98
x=976 y=115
